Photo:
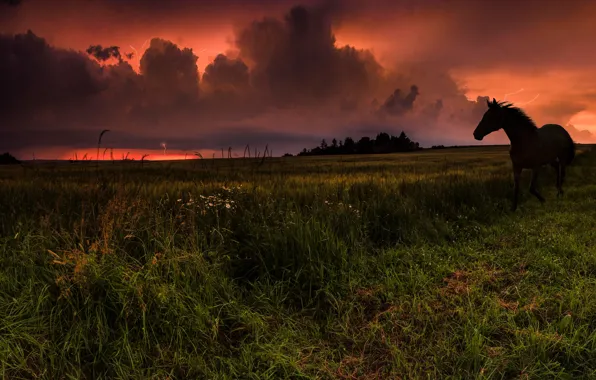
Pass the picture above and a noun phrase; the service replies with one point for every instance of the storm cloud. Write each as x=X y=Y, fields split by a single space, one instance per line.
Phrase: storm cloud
x=398 y=104
x=40 y=83
x=226 y=74
x=296 y=60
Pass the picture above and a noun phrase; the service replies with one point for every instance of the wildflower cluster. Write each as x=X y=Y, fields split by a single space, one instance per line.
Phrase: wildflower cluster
x=216 y=201
x=344 y=206
x=221 y=200
x=186 y=203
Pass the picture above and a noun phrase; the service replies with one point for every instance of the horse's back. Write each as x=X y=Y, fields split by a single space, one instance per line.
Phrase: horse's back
x=554 y=132
x=553 y=127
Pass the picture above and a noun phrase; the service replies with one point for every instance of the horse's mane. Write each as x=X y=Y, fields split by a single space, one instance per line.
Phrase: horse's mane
x=519 y=114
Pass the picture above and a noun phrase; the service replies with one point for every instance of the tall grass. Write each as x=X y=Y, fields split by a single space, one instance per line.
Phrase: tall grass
x=396 y=266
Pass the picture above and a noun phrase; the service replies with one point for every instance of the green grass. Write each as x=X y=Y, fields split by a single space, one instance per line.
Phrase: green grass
x=390 y=266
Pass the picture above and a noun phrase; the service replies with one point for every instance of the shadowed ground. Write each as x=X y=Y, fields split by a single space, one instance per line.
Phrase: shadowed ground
x=405 y=265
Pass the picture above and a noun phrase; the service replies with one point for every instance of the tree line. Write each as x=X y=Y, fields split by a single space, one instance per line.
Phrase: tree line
x=382 y=143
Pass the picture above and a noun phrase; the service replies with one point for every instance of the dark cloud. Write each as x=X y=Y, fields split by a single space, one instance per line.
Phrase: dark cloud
x=226 y=74
x=433 y=110
x=296 y=60
x=479 y=107
x=103 y=54
x=170 y=73
x=398 y=104
x=39 y=81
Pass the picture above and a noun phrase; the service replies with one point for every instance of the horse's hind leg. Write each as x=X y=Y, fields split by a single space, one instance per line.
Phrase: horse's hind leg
x=533 y=184
x=561 y=179
x=516 y=179
x=558 y=169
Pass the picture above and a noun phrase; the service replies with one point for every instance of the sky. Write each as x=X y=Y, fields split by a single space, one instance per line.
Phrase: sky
x=202 y=76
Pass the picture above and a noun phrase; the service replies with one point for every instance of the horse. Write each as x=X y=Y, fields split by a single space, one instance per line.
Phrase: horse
x=531 y=147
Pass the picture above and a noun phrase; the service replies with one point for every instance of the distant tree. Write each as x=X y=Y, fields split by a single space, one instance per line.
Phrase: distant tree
x=323 y=144
x=382 y=139
x=8 y=159
x=334 y=143
x=382 y=143
x=365 y=145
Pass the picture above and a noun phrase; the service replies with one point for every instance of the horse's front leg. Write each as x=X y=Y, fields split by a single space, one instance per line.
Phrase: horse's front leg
x=533 y=185
x=516 y=178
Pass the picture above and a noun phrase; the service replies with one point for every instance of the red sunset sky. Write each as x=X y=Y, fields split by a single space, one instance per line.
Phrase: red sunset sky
x=285 y=77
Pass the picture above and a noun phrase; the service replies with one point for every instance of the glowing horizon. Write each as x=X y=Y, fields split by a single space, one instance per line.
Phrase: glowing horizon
x=135 y=154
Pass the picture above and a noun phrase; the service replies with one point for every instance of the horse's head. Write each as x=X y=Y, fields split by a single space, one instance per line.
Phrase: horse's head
x=491 y=121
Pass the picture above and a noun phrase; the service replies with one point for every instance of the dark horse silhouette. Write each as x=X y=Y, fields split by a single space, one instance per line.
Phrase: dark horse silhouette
x=531 y=147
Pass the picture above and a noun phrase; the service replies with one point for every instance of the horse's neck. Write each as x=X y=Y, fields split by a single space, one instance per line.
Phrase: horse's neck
x=521 y=136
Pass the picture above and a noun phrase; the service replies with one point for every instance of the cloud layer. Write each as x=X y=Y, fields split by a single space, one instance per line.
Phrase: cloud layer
x=286 y=81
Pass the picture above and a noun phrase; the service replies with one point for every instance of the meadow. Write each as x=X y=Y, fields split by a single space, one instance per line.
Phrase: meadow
x=397 y=266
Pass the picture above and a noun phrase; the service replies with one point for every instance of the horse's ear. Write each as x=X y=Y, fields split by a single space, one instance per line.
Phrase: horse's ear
x=495 y=101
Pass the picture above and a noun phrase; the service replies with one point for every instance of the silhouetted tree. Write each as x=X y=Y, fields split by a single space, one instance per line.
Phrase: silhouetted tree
x=383 y=143
x=365 y=145
x=382 y=139
x=349 y=145
x=8 y=159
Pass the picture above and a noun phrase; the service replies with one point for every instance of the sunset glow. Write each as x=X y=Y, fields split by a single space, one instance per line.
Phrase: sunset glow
x=584 y=120
x=137 y=155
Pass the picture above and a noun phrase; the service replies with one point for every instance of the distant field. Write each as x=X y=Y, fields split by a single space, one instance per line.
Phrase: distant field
x=332 y=267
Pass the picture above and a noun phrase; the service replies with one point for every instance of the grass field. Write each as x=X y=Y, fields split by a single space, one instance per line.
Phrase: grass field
x=360 y=267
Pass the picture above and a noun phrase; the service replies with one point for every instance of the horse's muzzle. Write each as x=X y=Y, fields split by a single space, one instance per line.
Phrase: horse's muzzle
x=478 y=137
